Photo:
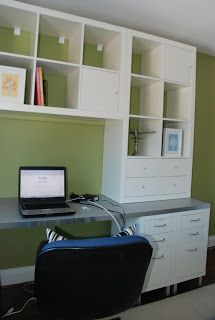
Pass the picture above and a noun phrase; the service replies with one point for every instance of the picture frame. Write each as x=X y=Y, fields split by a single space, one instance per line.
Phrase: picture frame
x=172 y=142
x=12 y=85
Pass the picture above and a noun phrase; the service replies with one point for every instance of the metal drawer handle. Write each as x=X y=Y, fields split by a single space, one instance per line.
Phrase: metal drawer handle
x=143 y=187
x=191 y=250
x=194 y=234
x=161 y=240
x=194 y=220
x=175 y=167
x=160 y=225
x=157 y=258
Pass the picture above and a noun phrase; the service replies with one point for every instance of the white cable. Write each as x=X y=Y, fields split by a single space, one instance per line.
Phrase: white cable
x=10 y=311
x=101 y=207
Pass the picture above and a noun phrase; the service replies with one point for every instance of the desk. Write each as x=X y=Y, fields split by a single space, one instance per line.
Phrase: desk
x=11 y=218
x=178 y=258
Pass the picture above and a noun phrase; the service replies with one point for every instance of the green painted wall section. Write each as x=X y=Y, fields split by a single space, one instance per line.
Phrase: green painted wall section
x=136 y=63
x=91 y=56
x=203 y=182
x=14 y=44
x=56 y=89
x=28 y=142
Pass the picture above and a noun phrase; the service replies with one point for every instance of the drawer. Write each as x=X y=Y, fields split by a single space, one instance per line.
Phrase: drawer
x=143 y=167
x=159 y=226
x=138 y=187
x=193 y=220
x=193 y=234
x=162 y=239
x=170 y=185
x=191 y=259
x=174 y=167
x=160 y=268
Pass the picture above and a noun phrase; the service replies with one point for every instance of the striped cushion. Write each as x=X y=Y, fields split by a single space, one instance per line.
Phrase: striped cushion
x=129 y=231
x=53 y=236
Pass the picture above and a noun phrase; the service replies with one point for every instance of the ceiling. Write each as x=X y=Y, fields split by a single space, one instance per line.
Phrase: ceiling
x=188 y=21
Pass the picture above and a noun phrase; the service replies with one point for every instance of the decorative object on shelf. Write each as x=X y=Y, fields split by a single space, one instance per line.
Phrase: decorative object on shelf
x=172 y=142
x=136 y=136
x=12 y=84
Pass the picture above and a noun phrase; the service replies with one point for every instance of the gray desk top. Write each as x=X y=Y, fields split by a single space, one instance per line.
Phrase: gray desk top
x=11 y=218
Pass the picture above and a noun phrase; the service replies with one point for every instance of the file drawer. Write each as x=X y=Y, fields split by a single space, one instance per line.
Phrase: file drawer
x=192 y=234
x=170 y=185
x=174 y=167
x=159 y=226
x=162 y=239
x=137 y=187
x=143 y=167
x=193 y=220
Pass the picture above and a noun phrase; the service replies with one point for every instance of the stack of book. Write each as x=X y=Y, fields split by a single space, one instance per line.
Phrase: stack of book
x=41 y=88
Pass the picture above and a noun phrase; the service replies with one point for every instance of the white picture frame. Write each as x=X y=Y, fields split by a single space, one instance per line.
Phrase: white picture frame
x=172 y=142
x=12 y=85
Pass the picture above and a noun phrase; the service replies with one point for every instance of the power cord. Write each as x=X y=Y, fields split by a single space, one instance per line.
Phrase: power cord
x=103 y=208
x=11 y=311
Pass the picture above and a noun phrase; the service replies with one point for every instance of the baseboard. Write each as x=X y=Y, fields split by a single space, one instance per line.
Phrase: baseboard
x=17 y=275
x=211 y=241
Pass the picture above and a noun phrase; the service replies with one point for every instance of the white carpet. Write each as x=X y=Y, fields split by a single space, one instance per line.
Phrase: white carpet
x=197 y=304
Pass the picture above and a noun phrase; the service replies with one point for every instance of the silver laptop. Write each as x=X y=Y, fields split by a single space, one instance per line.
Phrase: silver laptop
x=42 y=191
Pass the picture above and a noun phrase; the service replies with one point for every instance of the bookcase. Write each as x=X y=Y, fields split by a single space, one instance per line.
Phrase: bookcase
x=139 y=83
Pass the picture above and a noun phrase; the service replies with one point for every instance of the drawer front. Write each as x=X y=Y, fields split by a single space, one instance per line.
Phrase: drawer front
x=191 y=259
x=159 y=226
x=170 y=185
x=143 y=167
x=174 y=167
x=160 y=268
x=193 y=234
x=138 y=187
x=193 y=220
x=162 y=239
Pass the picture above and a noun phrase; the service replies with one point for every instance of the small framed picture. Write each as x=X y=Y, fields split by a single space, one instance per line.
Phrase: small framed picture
x=12 y=84
x=172 y=142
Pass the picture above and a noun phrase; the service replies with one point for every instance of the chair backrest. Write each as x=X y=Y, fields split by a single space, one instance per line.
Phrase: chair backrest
x=91 y=278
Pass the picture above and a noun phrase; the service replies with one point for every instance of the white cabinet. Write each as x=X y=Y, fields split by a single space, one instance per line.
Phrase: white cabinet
x=179 y=241
x=99 y=90
x=178 y=63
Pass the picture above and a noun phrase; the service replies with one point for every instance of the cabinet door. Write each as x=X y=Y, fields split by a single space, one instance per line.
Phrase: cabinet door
x=177 y=64
x=99 y=90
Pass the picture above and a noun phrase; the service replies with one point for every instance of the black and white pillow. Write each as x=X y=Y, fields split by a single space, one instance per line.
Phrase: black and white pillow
x=53 y=236
x=129 y=231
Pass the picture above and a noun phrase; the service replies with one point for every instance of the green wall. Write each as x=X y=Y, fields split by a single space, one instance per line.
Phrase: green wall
x=203 y=183
x=78 y=145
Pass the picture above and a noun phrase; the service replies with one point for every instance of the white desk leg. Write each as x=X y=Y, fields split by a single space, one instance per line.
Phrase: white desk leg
x=167 y=291
x=200 y=281
x=175 y=288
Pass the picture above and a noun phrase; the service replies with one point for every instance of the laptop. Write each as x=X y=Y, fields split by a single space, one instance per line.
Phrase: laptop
x=42 y=191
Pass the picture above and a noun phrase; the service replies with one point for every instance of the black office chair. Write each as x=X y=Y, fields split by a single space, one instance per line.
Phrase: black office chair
x=91 y=278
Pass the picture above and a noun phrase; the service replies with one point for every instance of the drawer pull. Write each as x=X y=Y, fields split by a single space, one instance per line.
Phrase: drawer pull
x=194 y=234
x=143 y=187
x=192 y=250
x=161 y=240
x=194 y=220
x=157 y=258
x=175 y=167
x=160 y=225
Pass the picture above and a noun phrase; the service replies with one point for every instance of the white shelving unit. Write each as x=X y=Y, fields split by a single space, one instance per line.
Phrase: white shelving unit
x=139 y=83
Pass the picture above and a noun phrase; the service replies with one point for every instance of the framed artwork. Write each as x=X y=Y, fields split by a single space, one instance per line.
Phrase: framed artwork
x=12 y=84
x=172 y=142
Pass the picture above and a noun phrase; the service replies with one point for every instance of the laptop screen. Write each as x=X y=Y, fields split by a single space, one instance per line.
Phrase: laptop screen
x=42 y=182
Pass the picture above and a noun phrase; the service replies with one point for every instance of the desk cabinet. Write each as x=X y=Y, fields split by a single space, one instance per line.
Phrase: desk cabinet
x=179 y=241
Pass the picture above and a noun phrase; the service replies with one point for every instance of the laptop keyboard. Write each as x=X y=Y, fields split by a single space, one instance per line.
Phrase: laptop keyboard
x=32 y=206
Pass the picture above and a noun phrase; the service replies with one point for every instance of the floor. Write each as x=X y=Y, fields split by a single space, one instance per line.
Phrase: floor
x=15 y=296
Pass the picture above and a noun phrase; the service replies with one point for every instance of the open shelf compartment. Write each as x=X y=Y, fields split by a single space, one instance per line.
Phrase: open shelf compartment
x=144 y=137
x=147 y=57
x=60 y=39
x=146 y=97
x=17 y=31
x=102 y=48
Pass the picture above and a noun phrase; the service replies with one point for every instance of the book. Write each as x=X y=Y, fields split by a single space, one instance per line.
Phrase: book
x=41 y=86
x=45 y=92
x=37 y=91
